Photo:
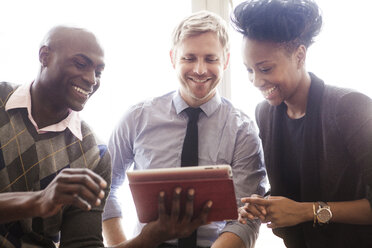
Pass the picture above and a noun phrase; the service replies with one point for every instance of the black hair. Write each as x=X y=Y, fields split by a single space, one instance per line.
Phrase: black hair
x=292 y=22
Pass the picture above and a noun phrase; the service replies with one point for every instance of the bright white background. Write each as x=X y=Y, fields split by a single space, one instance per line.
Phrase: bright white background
x=136 y=38
x=135 y=35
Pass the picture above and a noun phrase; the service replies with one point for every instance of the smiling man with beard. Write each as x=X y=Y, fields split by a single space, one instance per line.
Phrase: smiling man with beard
x=152 y=133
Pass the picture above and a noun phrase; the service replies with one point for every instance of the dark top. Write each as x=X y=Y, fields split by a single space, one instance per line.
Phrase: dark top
x=293 y=131
x=335 y=164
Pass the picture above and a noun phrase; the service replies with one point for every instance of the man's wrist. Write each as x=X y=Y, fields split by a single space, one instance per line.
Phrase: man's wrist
x=148 y=238
x=19 y=205
x=34 y=204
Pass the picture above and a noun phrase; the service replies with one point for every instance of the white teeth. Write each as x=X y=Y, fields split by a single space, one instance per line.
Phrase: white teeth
x=81 y=90
x=268 y=91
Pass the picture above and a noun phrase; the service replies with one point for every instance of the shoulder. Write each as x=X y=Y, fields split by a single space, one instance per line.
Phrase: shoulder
x=6 y=89
x=234 y=115
x=346 y=109
x=335 y=99
x=342 y=101
x=91 y=142
x=137 y=116
x=233 y=112
x=8 y=86
x=335 y=93
x=263 y=107
x=263 y=112
x=149 y=105
x=95 y=151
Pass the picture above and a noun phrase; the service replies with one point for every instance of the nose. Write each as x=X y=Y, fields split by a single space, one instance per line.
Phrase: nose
x=200 y=67
x=90 y=77
x=256 y=80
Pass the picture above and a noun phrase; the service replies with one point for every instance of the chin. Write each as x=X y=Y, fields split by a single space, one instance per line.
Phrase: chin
x=199 y=97
x=274 y=102
x=203 y=95
x=77 y=108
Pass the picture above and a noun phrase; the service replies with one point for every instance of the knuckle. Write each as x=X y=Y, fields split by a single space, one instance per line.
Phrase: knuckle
x=85 y=179
x=59 y=178
x=80 y=189
x=75 y=199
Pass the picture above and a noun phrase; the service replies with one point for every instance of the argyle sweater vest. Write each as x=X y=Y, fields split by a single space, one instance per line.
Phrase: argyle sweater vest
x=30 y=161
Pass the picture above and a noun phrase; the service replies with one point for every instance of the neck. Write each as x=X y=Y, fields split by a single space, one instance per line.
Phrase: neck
x=296 y=105
x=43 y=111
x=196 y=102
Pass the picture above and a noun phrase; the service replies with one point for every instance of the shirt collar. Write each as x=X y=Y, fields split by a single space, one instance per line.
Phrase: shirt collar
x=21 y=98
x=208 y=108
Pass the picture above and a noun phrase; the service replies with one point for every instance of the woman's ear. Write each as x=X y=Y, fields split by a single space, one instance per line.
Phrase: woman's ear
x=301 y=55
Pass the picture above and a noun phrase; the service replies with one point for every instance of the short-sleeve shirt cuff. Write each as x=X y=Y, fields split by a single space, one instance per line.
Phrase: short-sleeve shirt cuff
x=112 y=209
x=248 y=233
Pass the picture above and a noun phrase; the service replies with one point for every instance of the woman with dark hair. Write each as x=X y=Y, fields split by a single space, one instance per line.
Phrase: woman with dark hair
x=317 y=138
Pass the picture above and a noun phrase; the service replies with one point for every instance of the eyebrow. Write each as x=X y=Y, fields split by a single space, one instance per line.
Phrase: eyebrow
x=262 y=62
x=207 y=55
x=88 y=60
x=259 y=63
x=213 y=55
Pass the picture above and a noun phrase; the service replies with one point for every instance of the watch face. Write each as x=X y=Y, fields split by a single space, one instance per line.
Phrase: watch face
x=324 y=215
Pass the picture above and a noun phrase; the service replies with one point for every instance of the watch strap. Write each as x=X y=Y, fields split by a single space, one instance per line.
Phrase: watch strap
x=323 y=204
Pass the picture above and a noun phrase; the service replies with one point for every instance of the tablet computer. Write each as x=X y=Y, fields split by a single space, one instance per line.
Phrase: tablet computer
x=212 y=182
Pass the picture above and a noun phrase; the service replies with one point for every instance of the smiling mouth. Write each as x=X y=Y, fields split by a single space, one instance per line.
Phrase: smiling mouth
x=197 y=80
x=268 y=92
x=81 y=91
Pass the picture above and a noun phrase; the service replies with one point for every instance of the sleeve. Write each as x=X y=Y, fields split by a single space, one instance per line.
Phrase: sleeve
x=84 y=228
x=121 y=150
x=249 y=177
x=247 y=232
x=354 y=120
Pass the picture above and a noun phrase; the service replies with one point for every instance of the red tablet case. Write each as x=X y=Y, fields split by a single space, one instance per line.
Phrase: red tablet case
x=219 y=190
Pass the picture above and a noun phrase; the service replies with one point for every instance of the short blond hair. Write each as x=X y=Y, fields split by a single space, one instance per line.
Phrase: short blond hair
x=199 y=23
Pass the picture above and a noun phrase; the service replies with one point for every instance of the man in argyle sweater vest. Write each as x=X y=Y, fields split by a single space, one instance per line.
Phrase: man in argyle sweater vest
x=54 y=173
x=30 y=161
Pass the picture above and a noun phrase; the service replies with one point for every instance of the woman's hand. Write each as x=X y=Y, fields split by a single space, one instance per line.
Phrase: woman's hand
x=251 y=211
x=277 y=211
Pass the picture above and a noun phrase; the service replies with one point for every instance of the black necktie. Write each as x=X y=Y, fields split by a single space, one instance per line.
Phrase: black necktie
x=189 y=157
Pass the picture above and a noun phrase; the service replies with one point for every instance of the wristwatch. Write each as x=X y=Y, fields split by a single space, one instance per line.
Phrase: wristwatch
x=323 y=214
